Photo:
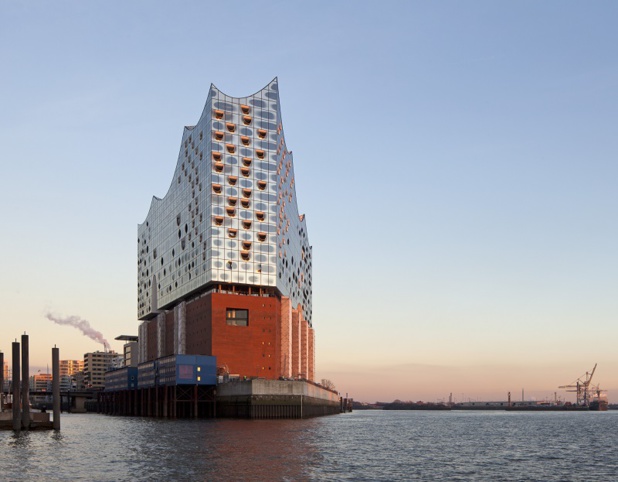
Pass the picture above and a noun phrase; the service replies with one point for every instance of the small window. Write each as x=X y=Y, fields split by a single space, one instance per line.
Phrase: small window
x=261 y=237
x=232 y=201
x=245 y=255
x=260 y=153
x=245 y=171
x=260 y=215
x=246 y=193
x=245 y=109
x=246 y=120
x=261 y=133
x=232 y=232
x=245 y=203
x=216 y=188
x=246 y=245
x=218 y=220
x=217 y=156
x=232 y=180
x=245 y=140
x=231 y=148
x=219 y=114
x=231 y=212
x=261 y=185
x=236 y=317
x=230 y=127
x=218 y=166
x=246 y=161
x=219 y=135
x=246 y=225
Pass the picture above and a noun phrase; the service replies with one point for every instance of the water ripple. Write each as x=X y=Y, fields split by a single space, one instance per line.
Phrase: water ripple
x=361 y=446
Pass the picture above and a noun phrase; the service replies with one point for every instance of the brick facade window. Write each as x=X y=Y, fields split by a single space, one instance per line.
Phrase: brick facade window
x=236 y=317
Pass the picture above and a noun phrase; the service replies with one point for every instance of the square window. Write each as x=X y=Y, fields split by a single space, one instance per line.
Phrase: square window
x=235 y=317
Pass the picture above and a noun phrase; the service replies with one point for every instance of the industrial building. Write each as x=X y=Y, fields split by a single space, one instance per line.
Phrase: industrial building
x=224 y=260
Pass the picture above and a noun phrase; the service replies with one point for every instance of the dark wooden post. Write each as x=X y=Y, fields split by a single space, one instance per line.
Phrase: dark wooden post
x=25 y=385
x=16 y=391
x=56 y=386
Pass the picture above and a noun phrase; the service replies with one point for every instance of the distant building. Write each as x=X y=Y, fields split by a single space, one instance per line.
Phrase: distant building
x=95 y=366
x=129 y=349
x=224 y=260
x=6 y=372
x=79 y=381
x=67 y=382
x=41 y=382
x=70 y=367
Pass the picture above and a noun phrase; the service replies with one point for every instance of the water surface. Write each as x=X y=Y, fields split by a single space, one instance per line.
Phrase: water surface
x=361 y=446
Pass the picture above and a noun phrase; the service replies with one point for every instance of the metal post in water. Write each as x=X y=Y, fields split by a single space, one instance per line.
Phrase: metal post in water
x=25 y=382
x=16 y=392
x=56 y=386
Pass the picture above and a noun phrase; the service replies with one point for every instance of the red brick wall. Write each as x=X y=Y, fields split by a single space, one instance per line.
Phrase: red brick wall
x=311 y=374
x=286 y=337
x=296 y=335
x=304 y=346
x=198 y=326
x=253 y=350
x=170 y=341
x=151 y=327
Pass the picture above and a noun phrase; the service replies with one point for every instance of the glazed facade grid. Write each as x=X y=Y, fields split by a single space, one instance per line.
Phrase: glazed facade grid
x=230 y=214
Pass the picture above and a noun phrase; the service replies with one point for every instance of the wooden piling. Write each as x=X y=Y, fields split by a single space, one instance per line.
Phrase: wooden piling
x=56 y=387
x=25 y=385
x=16 y=391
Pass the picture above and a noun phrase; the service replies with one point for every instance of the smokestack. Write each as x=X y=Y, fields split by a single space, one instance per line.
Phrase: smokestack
x=81 y=325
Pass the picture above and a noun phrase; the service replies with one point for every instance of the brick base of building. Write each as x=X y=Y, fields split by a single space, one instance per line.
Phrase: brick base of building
x=276 y=342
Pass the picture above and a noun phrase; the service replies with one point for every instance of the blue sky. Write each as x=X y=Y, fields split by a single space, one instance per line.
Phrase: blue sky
x=456 y=162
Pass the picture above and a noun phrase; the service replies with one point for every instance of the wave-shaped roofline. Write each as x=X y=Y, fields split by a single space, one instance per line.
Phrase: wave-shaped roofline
x=274 y=81
x=157 y=200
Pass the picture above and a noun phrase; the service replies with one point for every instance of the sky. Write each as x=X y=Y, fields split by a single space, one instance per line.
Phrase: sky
x=456 y=162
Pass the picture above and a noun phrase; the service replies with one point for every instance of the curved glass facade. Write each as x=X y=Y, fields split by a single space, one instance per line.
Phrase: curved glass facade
x=230 y=215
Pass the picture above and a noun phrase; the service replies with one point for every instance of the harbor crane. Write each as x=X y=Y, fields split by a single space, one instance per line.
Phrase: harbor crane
x=582 y=388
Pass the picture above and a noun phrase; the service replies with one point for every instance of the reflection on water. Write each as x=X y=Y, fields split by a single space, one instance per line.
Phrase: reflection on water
x=359 y=446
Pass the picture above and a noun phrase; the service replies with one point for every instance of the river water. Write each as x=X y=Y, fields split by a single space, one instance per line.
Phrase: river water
x=360 y=446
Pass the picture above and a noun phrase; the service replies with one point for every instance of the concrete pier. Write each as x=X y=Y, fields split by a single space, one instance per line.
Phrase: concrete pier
x=16 y=391
x=56 y=386
x=25 y=385
x=255 y=399
x=261 y=398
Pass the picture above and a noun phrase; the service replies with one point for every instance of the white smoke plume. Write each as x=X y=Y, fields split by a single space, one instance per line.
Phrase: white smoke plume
x=81 y=325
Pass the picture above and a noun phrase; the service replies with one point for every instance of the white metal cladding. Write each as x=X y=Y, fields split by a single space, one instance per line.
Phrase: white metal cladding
x=230 y=214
